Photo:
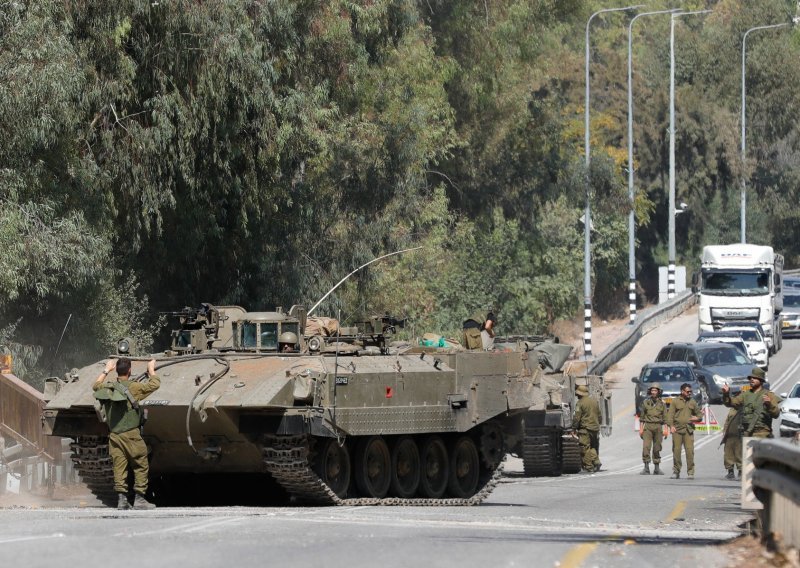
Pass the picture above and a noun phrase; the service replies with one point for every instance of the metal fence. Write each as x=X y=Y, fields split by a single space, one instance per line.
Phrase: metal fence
x=775 y=482
x=28 y=457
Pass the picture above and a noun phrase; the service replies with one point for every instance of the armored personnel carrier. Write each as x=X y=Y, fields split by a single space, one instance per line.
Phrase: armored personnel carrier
x=334 y=415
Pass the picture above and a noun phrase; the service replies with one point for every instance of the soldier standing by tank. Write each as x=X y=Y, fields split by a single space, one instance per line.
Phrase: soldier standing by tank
x=683 y=413
x=759 y=406
x=732 y=438
x=479 y=330
x=652 y=418
x=120 y=398
x=586 y=422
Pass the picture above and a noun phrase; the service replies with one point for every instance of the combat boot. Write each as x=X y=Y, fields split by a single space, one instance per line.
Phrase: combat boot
x=730 y=474
x=738 y=475
x=140 y=503
x=646 y=470
x=122 y=501
x=657 y=470
x=676 y=475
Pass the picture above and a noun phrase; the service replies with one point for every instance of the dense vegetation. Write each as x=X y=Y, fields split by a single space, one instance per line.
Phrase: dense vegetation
x=159 y=154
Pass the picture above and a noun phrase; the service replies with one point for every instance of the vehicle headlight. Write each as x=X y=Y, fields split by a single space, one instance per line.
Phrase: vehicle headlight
x=761 y=351
x=720 y=380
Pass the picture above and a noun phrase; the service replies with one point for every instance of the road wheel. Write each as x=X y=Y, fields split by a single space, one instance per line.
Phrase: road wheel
x=435 y=467
x=405 y=468
x=373 y=466
x=464 y=468
x=332 y=465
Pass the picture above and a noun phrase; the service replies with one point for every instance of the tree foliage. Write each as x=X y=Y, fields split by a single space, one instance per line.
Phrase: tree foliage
x=162 y=154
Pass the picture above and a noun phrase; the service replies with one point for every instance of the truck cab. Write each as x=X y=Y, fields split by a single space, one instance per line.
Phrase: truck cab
x=741 y=282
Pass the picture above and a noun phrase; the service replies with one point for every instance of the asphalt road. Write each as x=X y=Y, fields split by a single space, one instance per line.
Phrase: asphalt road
x=612 y=518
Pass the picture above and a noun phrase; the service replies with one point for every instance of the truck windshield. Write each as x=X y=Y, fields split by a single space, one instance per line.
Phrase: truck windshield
x=736 y=283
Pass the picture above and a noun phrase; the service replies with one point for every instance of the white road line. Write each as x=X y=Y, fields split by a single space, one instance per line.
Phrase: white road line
x=186 y=527
x=787 y=374
x=29 y=538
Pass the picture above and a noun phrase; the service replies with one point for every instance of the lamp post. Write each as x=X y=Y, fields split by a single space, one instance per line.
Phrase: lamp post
x=671 y=268
x=587 y=219
x=744 y=131
x=631 y=219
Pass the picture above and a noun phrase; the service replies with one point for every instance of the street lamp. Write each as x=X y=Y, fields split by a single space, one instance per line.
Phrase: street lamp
x=587 y=276
x=671 y=215
x=744 y=135
x=631 y=220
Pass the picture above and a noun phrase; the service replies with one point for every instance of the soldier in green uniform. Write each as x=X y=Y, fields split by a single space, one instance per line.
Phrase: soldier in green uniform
x=759 y=406
x=479 y=330
x=586 y=421
x=651 y=428
x=683 y=413
x=120 y=398
x=732 y=438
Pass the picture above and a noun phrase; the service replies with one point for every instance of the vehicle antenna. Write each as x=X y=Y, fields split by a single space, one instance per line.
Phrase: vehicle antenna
x=53 y=360
x=328 y=293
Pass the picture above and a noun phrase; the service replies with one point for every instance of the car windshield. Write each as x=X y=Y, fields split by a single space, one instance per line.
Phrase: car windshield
x=749 y=335
x=795 y=391
x=736 y=283
x=791 y=300
x=731 y=356
x=666 y=375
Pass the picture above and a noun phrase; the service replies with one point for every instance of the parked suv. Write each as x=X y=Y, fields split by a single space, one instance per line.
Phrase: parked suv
x=669 y=375
x=714 y=364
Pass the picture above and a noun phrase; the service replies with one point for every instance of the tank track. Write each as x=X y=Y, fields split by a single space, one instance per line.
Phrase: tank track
x=571 y=455
x=288 y=460
x=539 y=454
x=93 y=462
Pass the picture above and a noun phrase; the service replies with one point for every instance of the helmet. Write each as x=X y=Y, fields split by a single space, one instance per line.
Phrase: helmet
x=655 y=386
x=582 y=390
x=757 y=373
x=288 y=337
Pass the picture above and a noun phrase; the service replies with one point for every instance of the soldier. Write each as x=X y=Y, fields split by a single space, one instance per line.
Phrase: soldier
x=479 y=330
x=732 y=438
x=287 y=342
x=120 y=399
x=651 y=428
x=759 y=406
x=683 y=413
x=587 y=423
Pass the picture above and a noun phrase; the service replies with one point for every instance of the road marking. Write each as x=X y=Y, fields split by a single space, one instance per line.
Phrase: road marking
x=786 y=374
x=29 y=538
x=676 y=512
x=185 y=527
x=577 y=555
x=622 y=413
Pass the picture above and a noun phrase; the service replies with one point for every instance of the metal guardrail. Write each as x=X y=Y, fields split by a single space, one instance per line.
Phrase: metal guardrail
x=776 y=483
x=646 y=321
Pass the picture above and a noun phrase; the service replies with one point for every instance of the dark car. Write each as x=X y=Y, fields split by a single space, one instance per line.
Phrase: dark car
x=791 y=313
x=714 y=364
x=669 y=375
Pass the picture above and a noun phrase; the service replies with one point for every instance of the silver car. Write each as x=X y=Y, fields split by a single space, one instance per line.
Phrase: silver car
x=791 y=313
x=790 y=412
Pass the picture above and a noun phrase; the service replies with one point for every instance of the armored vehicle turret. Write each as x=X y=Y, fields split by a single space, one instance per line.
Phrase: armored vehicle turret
x=334 y=415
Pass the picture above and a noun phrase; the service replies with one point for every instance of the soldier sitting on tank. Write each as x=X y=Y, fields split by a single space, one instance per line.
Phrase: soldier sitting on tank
x=479 y=330
x=287 y=342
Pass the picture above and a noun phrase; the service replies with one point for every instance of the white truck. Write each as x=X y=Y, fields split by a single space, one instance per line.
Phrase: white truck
x=741 y=282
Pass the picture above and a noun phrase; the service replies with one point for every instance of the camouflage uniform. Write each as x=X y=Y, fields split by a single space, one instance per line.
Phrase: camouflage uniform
x=680 y=416
x=587 y=423
x=652 y=419
x=125 y=443
x=756 y=416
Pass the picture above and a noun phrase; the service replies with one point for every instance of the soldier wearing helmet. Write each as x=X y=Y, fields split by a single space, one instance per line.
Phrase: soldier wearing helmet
x=759 y=406
x=586 y=421
x=652 y=417
x=287 y=342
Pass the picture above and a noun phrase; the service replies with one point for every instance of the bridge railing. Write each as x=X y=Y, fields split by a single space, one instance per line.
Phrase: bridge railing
x=775 y=482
